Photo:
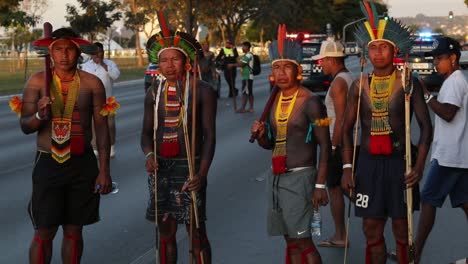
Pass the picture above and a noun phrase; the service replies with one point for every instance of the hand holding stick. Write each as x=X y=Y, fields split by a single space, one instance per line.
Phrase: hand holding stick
x=356 y=125
x=408 y=89
x=47 y=71
x=266 y=110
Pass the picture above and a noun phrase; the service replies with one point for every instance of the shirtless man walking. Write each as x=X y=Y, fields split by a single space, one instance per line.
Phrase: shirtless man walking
x=66 y=179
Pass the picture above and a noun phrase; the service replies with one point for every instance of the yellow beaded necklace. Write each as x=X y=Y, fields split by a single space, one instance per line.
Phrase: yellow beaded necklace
x=283 y=110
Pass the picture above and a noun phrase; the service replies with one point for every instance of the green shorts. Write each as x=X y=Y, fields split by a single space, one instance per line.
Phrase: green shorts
x=289 y=198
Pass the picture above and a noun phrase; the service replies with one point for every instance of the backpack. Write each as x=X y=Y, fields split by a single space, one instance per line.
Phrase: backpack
x=256 y=68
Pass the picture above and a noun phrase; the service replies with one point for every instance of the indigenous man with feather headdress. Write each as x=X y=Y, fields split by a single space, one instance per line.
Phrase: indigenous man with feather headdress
x=296 y=124
x=381 y=181
x=165 y=140
x=66 y=179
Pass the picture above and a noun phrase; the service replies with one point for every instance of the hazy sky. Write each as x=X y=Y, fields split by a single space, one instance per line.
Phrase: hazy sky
x=398 y=8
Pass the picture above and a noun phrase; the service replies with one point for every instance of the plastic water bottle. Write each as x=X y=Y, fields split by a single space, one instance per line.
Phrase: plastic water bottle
x=115 y=188
x=316 y=223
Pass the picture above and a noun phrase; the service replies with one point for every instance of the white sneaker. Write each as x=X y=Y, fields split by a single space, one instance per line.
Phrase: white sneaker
x=112 y=151
x=96 y=153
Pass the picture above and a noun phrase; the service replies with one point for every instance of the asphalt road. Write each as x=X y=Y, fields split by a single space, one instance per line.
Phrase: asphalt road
x=236 y=200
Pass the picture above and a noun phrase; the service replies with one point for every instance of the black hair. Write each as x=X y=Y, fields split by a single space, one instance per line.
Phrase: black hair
x=247 y=44
x=99 y=45
x=64 y=32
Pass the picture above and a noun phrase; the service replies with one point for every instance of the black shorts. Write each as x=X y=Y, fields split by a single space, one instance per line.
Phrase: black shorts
x=335 y=166
x=63 y=194
x=247 y=87
x=380 y=187
x=172 y=174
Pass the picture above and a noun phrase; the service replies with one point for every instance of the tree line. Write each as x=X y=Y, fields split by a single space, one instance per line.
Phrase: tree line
x=236 y=20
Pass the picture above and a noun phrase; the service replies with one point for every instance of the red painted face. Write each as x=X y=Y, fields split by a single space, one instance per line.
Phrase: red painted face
x=64 y=54
x=171 y=64
x=285 y=74
x=381 y=54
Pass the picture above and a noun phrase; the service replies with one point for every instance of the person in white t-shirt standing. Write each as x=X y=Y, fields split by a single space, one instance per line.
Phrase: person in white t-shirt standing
x=448 y=172
x=108 y=72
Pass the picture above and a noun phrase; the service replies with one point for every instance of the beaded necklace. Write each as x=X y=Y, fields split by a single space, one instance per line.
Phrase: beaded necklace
x=283 y=111
x=380 y=91
x=64 y=96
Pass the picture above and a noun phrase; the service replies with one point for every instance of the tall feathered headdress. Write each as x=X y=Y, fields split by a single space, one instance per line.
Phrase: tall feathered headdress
x=284 y=48
x=391 y=30
x=167 y=39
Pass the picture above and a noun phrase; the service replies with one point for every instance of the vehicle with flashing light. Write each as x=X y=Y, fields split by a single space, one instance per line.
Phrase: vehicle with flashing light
x=464 y=57
x=312 y=75
x=151 y=71
x=422 y=63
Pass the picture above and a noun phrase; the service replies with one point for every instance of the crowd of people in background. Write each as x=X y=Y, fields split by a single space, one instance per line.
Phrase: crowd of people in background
x=365 y=164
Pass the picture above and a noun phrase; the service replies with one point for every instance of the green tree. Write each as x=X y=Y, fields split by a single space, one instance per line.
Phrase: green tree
x=98 y=16
x=229 y=15
x=137 y=14
x=346 y=11
x=10 y=15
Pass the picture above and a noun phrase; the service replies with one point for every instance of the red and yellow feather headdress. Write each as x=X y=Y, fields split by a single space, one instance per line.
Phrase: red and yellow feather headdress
x=375 y=29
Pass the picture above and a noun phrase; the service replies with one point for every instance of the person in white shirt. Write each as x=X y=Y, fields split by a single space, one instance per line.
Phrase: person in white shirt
x=332 y=58
x=448 y=172
x=108 y=72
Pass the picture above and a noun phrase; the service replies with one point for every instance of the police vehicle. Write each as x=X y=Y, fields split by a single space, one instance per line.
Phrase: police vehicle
x=312 y=75
x=422 y=63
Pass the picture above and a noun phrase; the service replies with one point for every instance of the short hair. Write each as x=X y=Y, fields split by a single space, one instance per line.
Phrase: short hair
x=99 y=45
x=247 y=44
x=339 y=59
x=64 y=32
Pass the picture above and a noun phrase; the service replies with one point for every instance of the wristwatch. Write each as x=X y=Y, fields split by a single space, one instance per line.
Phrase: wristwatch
x=427 y=97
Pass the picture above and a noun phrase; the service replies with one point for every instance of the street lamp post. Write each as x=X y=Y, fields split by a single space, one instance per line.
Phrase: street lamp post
x=349 y=24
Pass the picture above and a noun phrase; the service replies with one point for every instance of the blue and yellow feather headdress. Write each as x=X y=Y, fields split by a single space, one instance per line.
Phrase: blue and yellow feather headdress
x=374 y=29
x=168 y=39
x=285 y=49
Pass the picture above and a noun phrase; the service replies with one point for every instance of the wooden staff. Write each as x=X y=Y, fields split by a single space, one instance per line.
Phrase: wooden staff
x=155 y=128
x=232 y=89
x=191 y=149
x=408 y=89
x=192 y=157
x=356 y=125
x=266 y=110
x=47 y=69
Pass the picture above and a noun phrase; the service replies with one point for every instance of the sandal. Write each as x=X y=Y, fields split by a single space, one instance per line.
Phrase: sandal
x=331 y=243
